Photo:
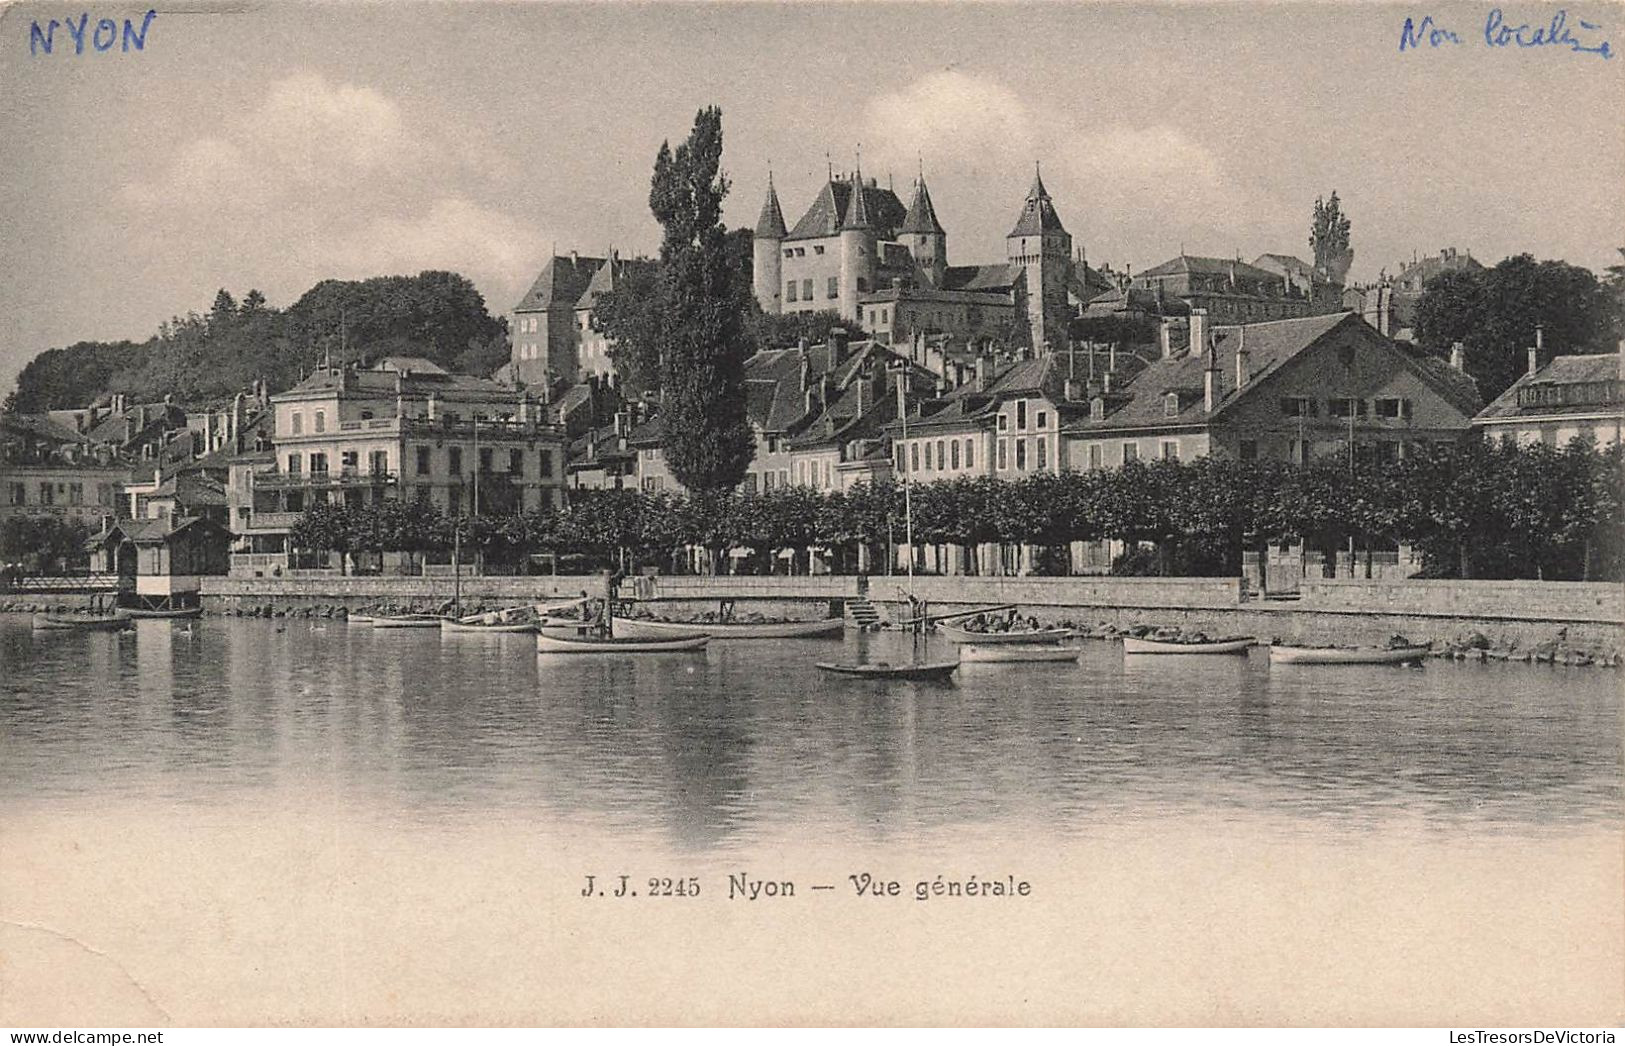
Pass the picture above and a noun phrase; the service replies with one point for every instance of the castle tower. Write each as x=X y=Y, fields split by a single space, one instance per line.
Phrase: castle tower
x=767 y=268
x=1041 y=245
x=857 y=252
x=924 y=235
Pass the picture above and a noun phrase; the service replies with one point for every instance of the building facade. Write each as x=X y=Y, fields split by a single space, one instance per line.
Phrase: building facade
x=552 y=331
x=49 y=470
x=1564 y=398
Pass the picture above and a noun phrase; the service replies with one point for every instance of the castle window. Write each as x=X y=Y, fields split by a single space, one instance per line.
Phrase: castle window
x=789 y=252
x=817 y=249
x=1043 y=419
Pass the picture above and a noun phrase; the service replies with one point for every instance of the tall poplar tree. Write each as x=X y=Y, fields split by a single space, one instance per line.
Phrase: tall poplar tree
x=702 y=342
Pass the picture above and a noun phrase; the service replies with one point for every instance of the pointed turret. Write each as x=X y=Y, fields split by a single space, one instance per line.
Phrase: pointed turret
x=1038 y=214
x=857 y=211
x=924 y=235
x=770 y=226
x=922 y=217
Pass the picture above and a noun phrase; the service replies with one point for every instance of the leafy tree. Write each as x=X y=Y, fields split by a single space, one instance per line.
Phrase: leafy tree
x=223 y=312
x=253 y=303
x=1329 y=238
x=629 y=316
x=43 y=544
x=785 y=329
x=700 y=299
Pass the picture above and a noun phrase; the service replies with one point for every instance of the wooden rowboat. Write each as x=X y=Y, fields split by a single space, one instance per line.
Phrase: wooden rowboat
x=406 y=621
x=1308 y=655
x=550 y=641
x=482 y=628
x=1132 y=645
x=79 y=622
x=1029 y=635
x=159 y=612
x=642 y=628
x=1015 y=652
x=884 y=670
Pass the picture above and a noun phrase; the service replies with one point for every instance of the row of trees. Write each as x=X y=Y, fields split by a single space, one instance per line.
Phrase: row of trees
x=42 y=544
x=212 y=356
x=1480 y=510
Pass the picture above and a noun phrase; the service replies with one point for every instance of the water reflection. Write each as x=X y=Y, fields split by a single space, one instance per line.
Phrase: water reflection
x=748 y=741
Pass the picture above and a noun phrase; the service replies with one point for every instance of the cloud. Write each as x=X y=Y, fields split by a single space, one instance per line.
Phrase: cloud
x=950 y=119
x=454 y=233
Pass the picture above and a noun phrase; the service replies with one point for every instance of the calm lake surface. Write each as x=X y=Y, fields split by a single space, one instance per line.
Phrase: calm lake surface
x=747 y=742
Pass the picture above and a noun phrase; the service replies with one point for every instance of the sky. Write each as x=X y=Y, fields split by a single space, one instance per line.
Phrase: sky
x=270 y=146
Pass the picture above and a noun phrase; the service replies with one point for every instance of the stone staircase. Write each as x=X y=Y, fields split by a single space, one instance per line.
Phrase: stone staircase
x=861 y=612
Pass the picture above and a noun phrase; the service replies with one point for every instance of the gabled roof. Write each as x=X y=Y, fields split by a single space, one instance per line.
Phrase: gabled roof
x=608 y=275
x=561 y=282
x=922 y=217
x=1038 y=214
x=1000 y=276
x=408 y=365
x=1195 y=264
x=885 y=212
x=1561 y=370
x=770 y=224
x=164 y=415
x=155 y=531
x=192 y=489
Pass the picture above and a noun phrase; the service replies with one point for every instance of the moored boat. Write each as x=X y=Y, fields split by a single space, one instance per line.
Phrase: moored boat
x=1309 y=655
x=1026 y=635
x=645 y=628
x=1006 y=653
x=886 y=670
x=359 y=619
x=158 y=612
x=486 y=627
x=1235 y=645
x=48 y=622
x=561 y=641
x=406 y=621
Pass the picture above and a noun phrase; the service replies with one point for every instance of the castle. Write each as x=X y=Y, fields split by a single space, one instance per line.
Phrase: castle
x=858 y=251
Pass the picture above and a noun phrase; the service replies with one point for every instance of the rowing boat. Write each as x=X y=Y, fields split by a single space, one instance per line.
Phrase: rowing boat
x=556 y=641
x=643 y=628
x=1003 y=653
x=884 y=670
x=484 y=628
x=1239 y=645
x=47 y=622
x=1308 y=655
x=1026 y=635
x=406 y=621
x=159 y=612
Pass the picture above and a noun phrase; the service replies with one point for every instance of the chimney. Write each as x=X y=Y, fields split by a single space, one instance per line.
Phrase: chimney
x=1167 y=338
x=1210 y=382
x=838 y=340
x=1198 y=330
x=1106 y=382
x=1243 y=370
x=984 y=373
x=141 y=417
x=1074 y=390
x=1534 y=358
x=806 y=370
x=1111 y=357
x=621 y=421
x=1457 y=359
x=432 y=410
x=129 y=428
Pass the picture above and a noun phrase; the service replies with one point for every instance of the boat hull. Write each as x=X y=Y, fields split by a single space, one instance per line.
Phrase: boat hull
x=1013 y=653
x=644 y=629
x=1301 y=655
x=1132 y=645
x=78 y=622
x=424 y=621
x=882 y=670
x=554 y=643
x=1042 y=635
x=472 y=628
x=360 y=619
x=142 y=613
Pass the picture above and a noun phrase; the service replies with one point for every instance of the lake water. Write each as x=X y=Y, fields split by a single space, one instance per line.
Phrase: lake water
x=266 y=750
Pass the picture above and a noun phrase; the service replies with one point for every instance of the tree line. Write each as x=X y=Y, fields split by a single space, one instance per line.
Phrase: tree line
x=1479 y=510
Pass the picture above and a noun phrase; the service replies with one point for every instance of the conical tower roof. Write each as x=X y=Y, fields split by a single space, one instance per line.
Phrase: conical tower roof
x=770 y=226
x=922 y=217
x=1038 y=212
x=857 y=212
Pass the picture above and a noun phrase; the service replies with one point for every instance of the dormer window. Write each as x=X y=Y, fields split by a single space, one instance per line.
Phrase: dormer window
x=1170 y=405
x=1097 y=409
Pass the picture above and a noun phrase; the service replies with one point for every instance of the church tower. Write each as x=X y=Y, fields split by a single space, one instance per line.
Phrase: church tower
x=1041 y=245
x=924 y=235
x=857 y=251
x=767 y=264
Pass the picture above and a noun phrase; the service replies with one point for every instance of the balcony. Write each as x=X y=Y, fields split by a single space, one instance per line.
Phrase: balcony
x=271 y=521
x=492 y=430
x=306 y=480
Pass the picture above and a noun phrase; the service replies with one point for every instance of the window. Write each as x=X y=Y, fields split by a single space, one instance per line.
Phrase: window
x=516 y=462
x=298 y=423
x=1004 y=454
x=366 y=415
x=1021 y=454
x=454 y=461
x=914 y=457
x=423 y=460
x=321 y=421
x=863 y=284
x=1388 y=451
x=784 y=477
x=1094 y=455
x=834 y=287
x=1345 y=407
x=806 y=289
x=790 y=291
x=750 y=482
x=1170 y=450
x=544 y=463
x=296 y=501
x=318 y=464
x=293 y=464
x=349 y=461
x=485 y=460
x=1004 y=422
x=1131 y=452
x=1393 y=407
x=955 y=447
x=16 y=494
x=1170 y=405
x=970 y=454
x=454 y=502
x=767 y=480
x=789 y=252
x=1043 y=452
x=378 y=462
x=47 y=494
x=1298 y=407
x=1043 y=419
x=928 y=455
x=1249 y=450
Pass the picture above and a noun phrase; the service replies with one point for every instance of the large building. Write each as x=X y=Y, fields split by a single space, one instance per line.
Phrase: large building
x=1234 y=291
x=1390 y=303
x=402 y=429
x=551 y=329
x=858 y=251
x=1565 y=397
x=49 y=469
x=1286 y=390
